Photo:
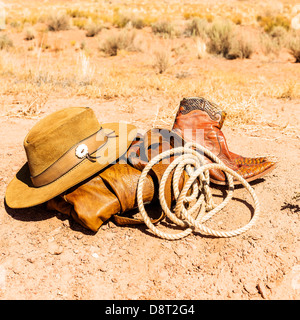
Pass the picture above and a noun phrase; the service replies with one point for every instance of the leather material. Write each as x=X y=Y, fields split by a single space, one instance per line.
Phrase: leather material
x=110 y=193
x=113 y=191
x=206 y=130
x=97 y=200
x=240 y=160
x=90 y=204
x=123 y=180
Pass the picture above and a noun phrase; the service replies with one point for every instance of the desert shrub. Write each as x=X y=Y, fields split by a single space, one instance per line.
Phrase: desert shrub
x=127 y=40
x=123 y=40
x=240 y=47
x=293 y=44
x=268 y=44
x=162 y=60
x=58 y=22
x=220 y=36
x=5 y=42
x=279 y=35
x=80 y=23
x=278 y=32
x=197 y=27
x=163 y=28
x=110 y=45
x=190 y=15
x=76 y=13
x=120 y=20
x=287 y=90
x=29 y=34
x=138 y=23
x=31 y=19
x=236 y=19
x=269 y=22
x=93 y=29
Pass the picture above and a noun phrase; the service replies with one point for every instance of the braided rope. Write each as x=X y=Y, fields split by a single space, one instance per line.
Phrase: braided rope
x=191 y=158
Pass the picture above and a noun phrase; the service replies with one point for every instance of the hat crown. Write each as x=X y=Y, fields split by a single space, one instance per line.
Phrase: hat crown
x=54 y=135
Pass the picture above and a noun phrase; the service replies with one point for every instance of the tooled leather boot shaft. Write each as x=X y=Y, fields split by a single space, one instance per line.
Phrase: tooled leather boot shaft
x=200 y=120
x=201 y=104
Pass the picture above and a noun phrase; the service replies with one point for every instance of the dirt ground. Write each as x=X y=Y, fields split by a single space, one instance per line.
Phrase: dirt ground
x=44 y=255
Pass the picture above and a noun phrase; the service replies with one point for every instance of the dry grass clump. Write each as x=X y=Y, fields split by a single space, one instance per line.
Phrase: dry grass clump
x=197 y=27
x=5 y=42
x=29 y=34
x=85 y=70
x=190 y=15
x=138 y=23
x=269 y=45
x=278 y=32
x=77 y=13
x=286 y=90
x=123 y=40
x=293 y=44
x=58 y=22
x=229 y=42
x=279 y=35
x=236 y=19
x=93 y=29
x=220 y=36
x=164 y=28
x=240 y=47
x=121 y=20
x=80 y=23
x=162 y=60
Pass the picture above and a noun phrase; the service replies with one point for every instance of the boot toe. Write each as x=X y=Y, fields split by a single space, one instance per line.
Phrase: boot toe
x=252 y=172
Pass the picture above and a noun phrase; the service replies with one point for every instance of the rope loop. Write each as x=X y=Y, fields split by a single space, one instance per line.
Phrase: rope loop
x=194 y=203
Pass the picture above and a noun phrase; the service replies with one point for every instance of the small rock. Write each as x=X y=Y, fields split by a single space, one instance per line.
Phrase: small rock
x=95 y=255
x=111 y=224
x=181 y=250
x=66 y=223
x=17 y=268
x=55 y=249
x=103 y=268
x=250 y=288
x=31 y=259
x=262 y=289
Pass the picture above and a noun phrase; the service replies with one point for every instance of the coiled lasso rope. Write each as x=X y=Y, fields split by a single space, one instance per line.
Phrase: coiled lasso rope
x=191 y=159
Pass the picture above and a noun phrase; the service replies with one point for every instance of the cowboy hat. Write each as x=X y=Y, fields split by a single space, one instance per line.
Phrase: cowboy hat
x=64 y=149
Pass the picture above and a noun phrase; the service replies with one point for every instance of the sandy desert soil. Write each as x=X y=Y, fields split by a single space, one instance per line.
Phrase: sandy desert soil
x=46 y=255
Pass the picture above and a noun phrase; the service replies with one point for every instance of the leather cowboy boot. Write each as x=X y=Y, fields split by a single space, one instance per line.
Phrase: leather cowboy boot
x=200 y=120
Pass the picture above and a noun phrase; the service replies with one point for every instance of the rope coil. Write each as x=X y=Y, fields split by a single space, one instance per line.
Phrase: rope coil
x=200 y=201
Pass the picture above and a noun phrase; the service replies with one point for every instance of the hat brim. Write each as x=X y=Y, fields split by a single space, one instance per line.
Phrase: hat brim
x=21 y=193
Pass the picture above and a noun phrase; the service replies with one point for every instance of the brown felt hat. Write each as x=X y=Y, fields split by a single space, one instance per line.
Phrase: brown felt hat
x=64 y=149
